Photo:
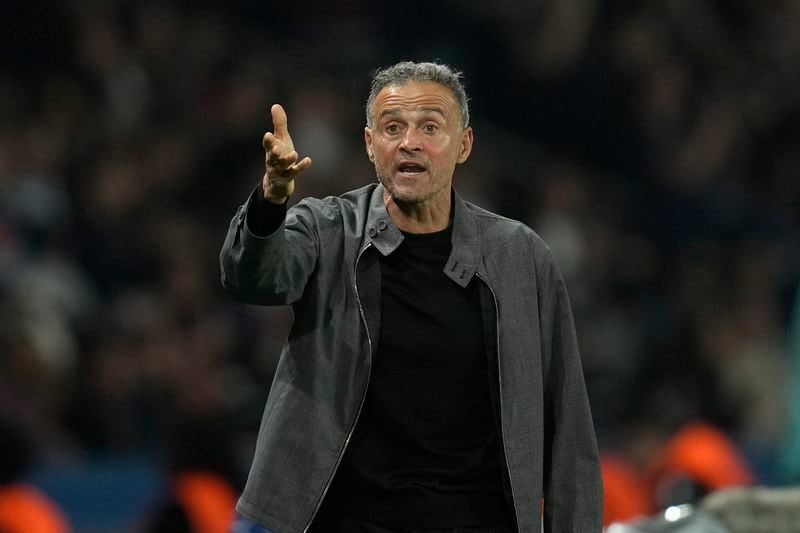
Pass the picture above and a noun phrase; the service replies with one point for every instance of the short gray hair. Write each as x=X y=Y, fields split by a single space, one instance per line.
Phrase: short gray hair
x=406 y=71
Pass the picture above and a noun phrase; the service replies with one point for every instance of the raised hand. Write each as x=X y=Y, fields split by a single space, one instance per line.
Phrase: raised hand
x=281 y=159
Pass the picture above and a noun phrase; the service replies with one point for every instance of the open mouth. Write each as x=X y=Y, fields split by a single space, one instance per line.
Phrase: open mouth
x=410 y=168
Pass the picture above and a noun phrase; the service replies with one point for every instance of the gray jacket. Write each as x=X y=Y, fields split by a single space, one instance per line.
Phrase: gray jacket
x=324 y=261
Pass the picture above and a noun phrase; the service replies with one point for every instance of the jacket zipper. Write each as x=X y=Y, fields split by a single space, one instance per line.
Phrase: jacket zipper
x=500 y=389
x=363 y=396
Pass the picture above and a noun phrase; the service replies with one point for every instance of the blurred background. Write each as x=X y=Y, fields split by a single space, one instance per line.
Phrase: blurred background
x=655 y=145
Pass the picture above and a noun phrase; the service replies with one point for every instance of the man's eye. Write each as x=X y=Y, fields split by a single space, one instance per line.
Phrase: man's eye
x=392 y=128
x=430 y=128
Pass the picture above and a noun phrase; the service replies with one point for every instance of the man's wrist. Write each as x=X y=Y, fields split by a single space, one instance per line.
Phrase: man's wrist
x=275 y=195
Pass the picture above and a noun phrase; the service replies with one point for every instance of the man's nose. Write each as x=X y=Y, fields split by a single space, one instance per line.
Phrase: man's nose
x=412 y=141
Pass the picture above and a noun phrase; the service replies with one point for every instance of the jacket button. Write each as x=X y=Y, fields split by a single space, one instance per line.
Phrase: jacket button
x=382 y=225
x=372 y=232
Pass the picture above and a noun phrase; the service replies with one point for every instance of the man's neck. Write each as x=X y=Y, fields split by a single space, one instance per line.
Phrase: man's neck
x=424 y=217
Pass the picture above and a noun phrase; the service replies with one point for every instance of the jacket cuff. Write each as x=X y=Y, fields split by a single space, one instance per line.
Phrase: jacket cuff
x=263 y=217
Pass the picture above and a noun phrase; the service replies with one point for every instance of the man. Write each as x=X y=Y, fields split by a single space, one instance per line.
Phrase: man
x=431 y=380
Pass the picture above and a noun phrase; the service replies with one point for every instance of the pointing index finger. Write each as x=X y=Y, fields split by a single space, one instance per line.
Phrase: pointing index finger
x=279 y=121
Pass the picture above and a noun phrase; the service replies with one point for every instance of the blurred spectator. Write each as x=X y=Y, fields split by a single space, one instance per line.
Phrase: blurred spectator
x=23 y=507
x=670 y=467
x=653 y=462
x=202 y=489
x=697 y=460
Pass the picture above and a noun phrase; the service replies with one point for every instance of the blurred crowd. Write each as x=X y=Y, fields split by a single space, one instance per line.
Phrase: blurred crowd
x=653 y=144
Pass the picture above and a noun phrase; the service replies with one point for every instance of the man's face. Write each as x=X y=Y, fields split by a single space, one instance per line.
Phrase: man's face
x=416 y=140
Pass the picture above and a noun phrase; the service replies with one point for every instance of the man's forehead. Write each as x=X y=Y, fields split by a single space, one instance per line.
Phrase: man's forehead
x=416 y=95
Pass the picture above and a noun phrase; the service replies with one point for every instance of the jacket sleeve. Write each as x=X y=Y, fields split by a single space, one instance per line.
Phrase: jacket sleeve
x=272 y=269
x=573 y=490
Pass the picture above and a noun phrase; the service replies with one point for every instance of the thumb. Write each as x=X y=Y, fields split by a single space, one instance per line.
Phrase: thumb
x=279 y=121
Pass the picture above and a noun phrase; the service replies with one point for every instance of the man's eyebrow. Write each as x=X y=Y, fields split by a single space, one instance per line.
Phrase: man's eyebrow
x=438 y=110
x=390 y=111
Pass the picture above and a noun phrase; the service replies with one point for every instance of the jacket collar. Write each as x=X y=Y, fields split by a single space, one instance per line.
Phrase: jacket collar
x=465 y=255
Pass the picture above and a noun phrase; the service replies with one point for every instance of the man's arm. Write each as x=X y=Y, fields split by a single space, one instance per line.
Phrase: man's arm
x=267 y=258
x=573 y=489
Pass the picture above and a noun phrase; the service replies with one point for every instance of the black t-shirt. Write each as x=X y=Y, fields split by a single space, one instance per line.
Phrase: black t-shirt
x=425 y=452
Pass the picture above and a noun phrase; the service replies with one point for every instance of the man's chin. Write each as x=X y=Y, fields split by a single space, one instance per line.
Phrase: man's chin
x=410 y=200
x=404 y=196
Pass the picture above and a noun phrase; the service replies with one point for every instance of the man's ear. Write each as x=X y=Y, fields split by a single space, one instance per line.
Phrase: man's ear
x=466 y=144
x=368 y=143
